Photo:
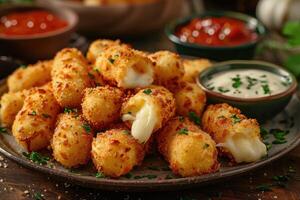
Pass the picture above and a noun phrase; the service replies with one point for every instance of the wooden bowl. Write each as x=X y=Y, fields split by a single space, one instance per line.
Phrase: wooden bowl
x=40 y=46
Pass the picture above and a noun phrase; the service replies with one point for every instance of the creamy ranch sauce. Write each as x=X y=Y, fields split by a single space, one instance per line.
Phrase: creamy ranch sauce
x=247 y=83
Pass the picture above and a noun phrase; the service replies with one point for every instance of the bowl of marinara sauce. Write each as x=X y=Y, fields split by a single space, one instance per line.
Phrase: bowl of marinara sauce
x=217 y=35
x=35 y=32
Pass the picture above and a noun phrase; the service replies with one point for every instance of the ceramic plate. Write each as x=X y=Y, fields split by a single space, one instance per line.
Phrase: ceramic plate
x=154 y=174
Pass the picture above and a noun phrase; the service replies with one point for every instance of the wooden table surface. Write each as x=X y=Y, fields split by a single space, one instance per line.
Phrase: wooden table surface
x=18 y=183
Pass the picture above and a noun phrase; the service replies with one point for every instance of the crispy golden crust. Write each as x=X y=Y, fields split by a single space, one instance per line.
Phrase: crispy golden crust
x=34 y=124
x=222 y=121
x=30 y=76
x=11 y=104
x=115 y=152
x=160 y=97
x=168 y=69
x=192 y=68
x=116 y=61
x=95 y=76
x=70 y=77
x=189 y=150
x=72 y=140
x=99 y=46
x=101 y=106
x=190 y=98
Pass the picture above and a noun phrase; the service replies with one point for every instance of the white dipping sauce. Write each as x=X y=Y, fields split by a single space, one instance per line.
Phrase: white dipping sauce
x=248 y=83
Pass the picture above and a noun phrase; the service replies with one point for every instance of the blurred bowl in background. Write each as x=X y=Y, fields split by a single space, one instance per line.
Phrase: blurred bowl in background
x=123 y=19
x=38 y=46
x=220 y=53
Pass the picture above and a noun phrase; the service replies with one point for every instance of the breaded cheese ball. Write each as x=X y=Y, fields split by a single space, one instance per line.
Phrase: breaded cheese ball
x=190 y=98
x=101 y=105
x=168 y=69
x=69 y=77
x=123 y=67
x=147 y=111
x=99 y=46
x=115 y=152
x=72 y=140
x=30 y=76
x=192 y=68
x=34 y=124
x=238 y=137
x=189 y=150
x=95 y=76
x=11 y=104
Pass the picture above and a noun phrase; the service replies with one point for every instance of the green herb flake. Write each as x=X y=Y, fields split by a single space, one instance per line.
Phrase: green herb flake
x=205 y=146
x=266 y=89
x=96 y=69
x=223 y=90
x=264 y=133
x=99 y=175
x=127 y=132
x=128 y=175
x=46 y=115
x=236 y=119
x=169 y=176
x=181 y=118
x=70 y=110
x=37 y=158
x=3 y=130
x=33 y=113
x=264 y=187
x=183 y=131
x=236 y=81
x=194 y=118
x=281 y=178
x=87 y=127
x=147 y=91
x=91 y=75
x=38 y=196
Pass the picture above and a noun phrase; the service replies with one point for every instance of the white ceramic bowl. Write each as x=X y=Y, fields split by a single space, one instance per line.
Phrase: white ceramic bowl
x=121 y=20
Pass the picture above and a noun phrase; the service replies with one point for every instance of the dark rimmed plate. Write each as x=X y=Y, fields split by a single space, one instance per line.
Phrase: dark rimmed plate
x=154 y=175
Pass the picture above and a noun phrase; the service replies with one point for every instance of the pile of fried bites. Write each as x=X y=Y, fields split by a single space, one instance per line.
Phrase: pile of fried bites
x=116 y=104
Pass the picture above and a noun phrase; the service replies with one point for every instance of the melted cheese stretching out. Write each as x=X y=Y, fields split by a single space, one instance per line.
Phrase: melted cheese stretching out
x=147 y=111
x=124 y=67
x=237 y=136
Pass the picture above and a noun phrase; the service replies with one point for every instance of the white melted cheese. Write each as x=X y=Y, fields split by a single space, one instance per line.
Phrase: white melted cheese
x=143 y=122
x=245 y=149
x=134 y=79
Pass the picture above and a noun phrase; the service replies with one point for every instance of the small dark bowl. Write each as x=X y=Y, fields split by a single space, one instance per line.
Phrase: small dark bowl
x=39 y=46
x=262 y=108
x=220 y=53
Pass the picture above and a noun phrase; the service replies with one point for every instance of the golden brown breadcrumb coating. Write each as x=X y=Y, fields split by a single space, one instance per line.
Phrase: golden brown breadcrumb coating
x=192 y=68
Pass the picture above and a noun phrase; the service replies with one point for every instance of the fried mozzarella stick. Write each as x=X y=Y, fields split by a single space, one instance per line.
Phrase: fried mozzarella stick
x=189 y=150
x=147 y=111
x=168 y=69
x=237 y=136
x=11 y=104
x=34 y=124
x=192 y=68
x=124 y=67
x=99 y=46
x=115 y=152
x=101 y=105
x=72 y=140
x=30 y=76
x=69 y=77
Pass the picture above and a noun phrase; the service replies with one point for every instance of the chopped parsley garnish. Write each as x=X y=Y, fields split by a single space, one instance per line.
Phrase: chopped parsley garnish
x=264 y=187
x=236 y=81
x=266 y=89
x=147 y=91
x=87 y=127
x=36 y=158
x=205 y=146
x=126 y=132
x=183 y=131
x=223 y=90
x=33 y=113
x=194 y=118
x=128 y=175
x=113 y=59
x=235 y=119
x=181 y=118
x=263 y=76
x=70 y=110
x=38 y=196
x=99 y=175
x=264 y=133
x=251 y=82
x=279 y=136
x=3 y=130
x=169 y=176
x=46 y=115
x=287 y=81
x=268 y=145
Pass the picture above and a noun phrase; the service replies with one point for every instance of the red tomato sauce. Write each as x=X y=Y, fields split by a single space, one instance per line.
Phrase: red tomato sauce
x=30 y=23
x=216 y=31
